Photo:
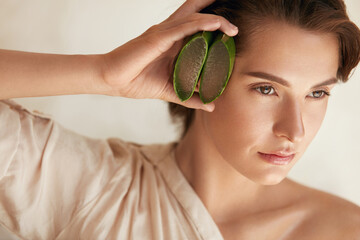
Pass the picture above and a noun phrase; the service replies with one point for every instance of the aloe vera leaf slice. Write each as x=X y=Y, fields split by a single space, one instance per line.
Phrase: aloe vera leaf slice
x=218 y=68
x=189 y=64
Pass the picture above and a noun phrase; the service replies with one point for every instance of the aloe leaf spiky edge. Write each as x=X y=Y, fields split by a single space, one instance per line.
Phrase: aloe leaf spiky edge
x=208 y=37
x=229 y=43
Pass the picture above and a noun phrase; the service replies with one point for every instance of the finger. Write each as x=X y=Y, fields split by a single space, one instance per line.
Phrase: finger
x=174 y=31
x=189 y=7
x=208 y=23
x=202 y=19
x=194 y=102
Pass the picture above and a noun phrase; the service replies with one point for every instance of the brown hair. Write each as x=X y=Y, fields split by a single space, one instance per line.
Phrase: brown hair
x=324 y=16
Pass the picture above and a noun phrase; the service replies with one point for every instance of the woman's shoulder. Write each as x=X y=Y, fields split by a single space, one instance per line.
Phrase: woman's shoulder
x=328 y=216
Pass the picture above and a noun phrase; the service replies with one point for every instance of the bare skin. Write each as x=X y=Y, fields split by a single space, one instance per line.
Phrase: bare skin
x=304 y=213
x=248 y=197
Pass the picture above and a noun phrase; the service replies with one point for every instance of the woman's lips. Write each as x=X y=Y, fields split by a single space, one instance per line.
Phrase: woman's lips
x=275 y=159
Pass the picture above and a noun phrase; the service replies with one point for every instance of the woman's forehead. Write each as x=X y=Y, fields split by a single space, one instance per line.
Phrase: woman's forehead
x=282 y=37
x=290 y=52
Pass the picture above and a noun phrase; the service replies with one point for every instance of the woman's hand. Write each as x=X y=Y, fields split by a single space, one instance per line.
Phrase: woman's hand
x=142 y=68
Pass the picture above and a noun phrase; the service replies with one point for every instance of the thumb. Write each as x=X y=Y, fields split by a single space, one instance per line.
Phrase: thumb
x=194 y=102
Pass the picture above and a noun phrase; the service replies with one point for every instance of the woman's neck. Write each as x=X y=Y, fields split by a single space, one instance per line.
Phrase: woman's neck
x=220 y=187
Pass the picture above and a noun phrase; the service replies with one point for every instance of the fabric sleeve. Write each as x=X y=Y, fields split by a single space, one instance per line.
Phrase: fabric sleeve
x=47 y=173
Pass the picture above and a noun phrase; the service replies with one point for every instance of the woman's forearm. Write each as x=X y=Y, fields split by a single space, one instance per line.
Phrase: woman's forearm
x=24 y=74
x=141 y=68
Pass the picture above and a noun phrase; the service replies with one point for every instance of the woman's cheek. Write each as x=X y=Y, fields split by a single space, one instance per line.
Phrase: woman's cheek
x=313 y=116
x=245 y=118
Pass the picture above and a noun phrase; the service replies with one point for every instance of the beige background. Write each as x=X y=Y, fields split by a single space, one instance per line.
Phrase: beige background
x=332 y=162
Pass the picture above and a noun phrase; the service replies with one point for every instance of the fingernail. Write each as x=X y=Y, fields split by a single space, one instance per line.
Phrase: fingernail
x=208 y=108
x=234 y=29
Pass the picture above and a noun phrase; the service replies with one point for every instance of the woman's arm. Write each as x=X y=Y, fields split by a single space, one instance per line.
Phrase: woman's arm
x=36 y=152
x=25 y=74
x=141 y=68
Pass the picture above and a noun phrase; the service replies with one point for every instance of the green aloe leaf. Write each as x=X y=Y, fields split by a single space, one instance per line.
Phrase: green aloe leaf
x=189 y=64
x=218 y=68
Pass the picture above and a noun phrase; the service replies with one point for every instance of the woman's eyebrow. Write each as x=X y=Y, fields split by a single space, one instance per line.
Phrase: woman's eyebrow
x=327 y=82
x=285 y=83
x=269 y=77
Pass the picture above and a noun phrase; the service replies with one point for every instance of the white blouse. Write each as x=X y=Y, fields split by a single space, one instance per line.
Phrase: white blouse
x=57 y=184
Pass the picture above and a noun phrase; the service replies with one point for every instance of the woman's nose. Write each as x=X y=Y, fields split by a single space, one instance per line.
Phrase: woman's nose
x=289 y=122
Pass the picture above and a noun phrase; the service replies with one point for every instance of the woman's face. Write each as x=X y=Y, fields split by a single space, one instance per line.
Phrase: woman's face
x=275 y=101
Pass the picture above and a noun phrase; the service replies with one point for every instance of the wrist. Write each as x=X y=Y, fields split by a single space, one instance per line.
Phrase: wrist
x=99 y=84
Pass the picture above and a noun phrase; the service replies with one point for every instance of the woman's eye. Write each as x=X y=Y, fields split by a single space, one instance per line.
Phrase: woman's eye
x=266 y=90
x=318 y=94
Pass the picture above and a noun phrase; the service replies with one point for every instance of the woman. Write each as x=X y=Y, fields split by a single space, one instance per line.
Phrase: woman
x=226 y=177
